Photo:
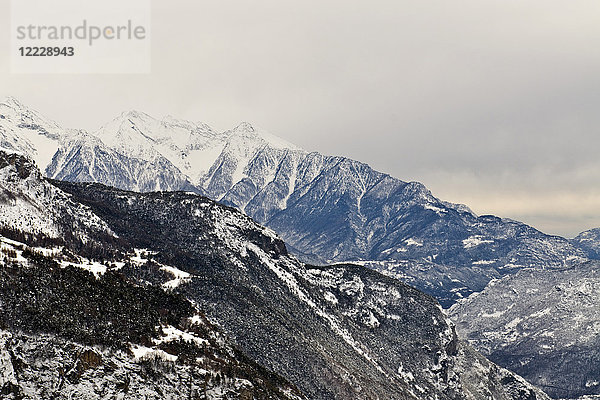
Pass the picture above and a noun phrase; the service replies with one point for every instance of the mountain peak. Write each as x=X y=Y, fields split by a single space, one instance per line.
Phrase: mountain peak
x=135 y=115
x=244 y=127
x=13 y=102
x=171 y=119
x=246 y=131
x=15 y=106
x=27 y=132
x=124 y=121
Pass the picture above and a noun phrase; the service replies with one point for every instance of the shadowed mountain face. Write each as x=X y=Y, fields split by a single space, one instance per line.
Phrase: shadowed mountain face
x=542 y=324
x=67 y=334
x=233 y=298
x=328 y=209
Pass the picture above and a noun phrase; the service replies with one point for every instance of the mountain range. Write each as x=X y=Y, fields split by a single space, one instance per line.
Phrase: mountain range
x=327 y=209
x=106 y=293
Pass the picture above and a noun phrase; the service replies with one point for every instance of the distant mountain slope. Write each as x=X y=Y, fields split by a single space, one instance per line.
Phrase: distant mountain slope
x=329 y=209
x=334 y=332
x=589 y=242
x=542 y=324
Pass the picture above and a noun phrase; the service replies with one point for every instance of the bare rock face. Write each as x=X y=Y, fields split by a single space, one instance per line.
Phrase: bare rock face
x=171 y=295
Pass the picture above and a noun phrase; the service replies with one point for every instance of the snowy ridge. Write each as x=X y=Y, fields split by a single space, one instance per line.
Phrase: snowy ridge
x=28 y=132
x=188 y=146
x=328 y=209
x=285 y=318
x=333 y=332
x=30 y=204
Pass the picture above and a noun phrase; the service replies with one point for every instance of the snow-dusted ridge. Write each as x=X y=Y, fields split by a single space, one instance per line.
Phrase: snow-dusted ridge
x=327 y=209
x=30 y=204
x=275 y=310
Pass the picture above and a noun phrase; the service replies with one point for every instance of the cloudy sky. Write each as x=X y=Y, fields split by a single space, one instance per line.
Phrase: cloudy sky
x=491 y=103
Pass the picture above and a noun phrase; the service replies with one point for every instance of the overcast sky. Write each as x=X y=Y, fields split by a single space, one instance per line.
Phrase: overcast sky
x=495 y=104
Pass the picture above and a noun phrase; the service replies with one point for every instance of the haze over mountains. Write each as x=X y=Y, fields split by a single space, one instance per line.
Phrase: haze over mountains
x=327 y=208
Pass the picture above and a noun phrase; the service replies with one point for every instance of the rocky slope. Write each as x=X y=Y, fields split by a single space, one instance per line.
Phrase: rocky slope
x=66 y=332
x=542 y=324
x=218 y=301
x=328 y=209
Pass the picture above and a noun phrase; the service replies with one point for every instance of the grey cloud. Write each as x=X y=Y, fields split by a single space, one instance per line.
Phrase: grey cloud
x=478 y=100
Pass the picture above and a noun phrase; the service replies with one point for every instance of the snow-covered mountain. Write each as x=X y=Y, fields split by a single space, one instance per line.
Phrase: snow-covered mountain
x=542 y=324
x=28 y=132
x=328 y=209
x=172 y=295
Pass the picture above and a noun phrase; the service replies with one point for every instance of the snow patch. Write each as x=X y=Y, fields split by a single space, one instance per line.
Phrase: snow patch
x=438 y=211
x=146 y=353
x=484 y=262
x=413 y=242
x=93 y=266
x=474 y=241
x=179 y=275
x=173 y=334
x=330 y=297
